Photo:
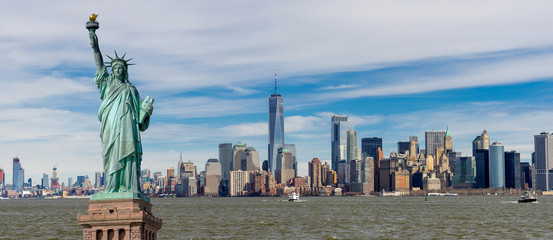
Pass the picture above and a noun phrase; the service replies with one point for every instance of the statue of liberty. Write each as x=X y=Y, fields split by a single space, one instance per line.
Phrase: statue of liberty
x=123 y=115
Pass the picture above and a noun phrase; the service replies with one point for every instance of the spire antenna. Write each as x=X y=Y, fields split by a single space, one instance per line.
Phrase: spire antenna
x=275 y=81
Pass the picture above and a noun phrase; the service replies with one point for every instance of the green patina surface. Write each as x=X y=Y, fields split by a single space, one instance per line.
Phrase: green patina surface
x=123 y=115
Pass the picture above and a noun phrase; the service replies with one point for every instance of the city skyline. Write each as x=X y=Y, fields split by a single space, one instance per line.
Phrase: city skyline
x=396 y=70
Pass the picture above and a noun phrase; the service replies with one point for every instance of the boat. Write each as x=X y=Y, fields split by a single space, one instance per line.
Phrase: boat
x=293 y=197
x=527 y=197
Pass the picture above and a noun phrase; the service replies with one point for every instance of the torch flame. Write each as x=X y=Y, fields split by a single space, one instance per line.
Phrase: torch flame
x=93 y=17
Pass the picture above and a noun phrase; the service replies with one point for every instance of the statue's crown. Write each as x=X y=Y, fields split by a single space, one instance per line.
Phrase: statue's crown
x=118 y=59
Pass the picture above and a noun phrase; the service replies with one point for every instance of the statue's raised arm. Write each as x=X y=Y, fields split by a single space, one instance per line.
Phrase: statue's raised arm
x=92 y=25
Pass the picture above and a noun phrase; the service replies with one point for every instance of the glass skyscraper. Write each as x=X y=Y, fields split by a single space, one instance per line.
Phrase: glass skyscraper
x=276 y=127
x=497 y=165
x=369 y=146
x=18 y=175
x=543 y=148
x=339 y=131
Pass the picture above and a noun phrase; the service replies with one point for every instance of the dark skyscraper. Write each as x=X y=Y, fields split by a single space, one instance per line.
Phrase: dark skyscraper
x=525 y=175
x=482 y=159
x=225 y=158
x=276 y=127
x=512 y=170
x=369 y=146
x=402 y=147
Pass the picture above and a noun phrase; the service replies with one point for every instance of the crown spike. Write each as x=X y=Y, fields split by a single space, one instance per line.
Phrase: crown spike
x=123 y=57
x=116 y=56
x=109 y=57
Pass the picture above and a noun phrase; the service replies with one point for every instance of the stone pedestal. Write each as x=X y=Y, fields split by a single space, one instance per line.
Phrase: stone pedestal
x=122 y=219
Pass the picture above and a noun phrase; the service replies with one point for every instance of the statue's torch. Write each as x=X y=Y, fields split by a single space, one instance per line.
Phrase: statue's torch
x=92 y=25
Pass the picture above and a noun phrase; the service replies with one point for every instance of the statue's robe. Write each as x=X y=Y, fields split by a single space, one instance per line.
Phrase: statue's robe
x=120 y=133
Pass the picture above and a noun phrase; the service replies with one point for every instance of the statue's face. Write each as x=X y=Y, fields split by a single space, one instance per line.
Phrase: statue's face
x=118 y=70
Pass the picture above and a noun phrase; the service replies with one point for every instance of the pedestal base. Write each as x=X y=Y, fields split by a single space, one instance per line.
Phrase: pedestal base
x=123 y=219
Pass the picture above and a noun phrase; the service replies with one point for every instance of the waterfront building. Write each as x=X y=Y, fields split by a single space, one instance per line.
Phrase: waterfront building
x=315 y=173
x=324 y=169
x=400 y=181
x=212 y=177
x=481 y=142
x=276 y=127
x=339 y=129
x=249 y=160
x=225 y=158
x=433 y=140
x=331 y=178
x=370 y=146
x=526 y=175
x=239 y=181
x=284 y=167
x=497 y=165
x=237 y=151
x=55 y=180
x=482 y=159
x=342 y=169
x=70 y=182
x=45 y=181
x=171 y=171
x=431 y=183
x=543 y=148
x=465 y=172
x=2 y=178
x=512 y=170
x=187 y=188
x=18 y=175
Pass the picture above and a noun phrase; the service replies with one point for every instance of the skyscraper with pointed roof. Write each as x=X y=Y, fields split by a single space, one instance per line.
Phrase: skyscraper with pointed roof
x=276 y=127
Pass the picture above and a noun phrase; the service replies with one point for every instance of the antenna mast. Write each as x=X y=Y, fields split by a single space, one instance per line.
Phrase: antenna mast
x=275 y=81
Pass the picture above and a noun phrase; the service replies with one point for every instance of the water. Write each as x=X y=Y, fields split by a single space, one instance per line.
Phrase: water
x=490 y=217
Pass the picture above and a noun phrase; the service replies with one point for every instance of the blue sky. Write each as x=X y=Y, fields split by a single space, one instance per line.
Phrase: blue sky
x=397 y=68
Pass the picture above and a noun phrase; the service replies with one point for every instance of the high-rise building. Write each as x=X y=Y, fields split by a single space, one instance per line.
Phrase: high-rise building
x=45 y=181
x=239 y=181
x=250 y=160
x=55 y=179
x=237 y=151
x=18 y=175
x=448 y=142
x=339 y=130
x=370 y=146
x=415 y=139
x=98 y=180
x=543 y=148
x=276 y=127
x=482 y=159
x=315 y=173
x=403 y=147
x=2 y=178
x=481 y=142
x=292 y=148
x=526 y=175
x=212 y=177
x=465 y=172
x=225 y=158
x=352 y=148
x=497 y=165
x=285 y=170
x=186 y=170
x=512 y=170
x=433 y=140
